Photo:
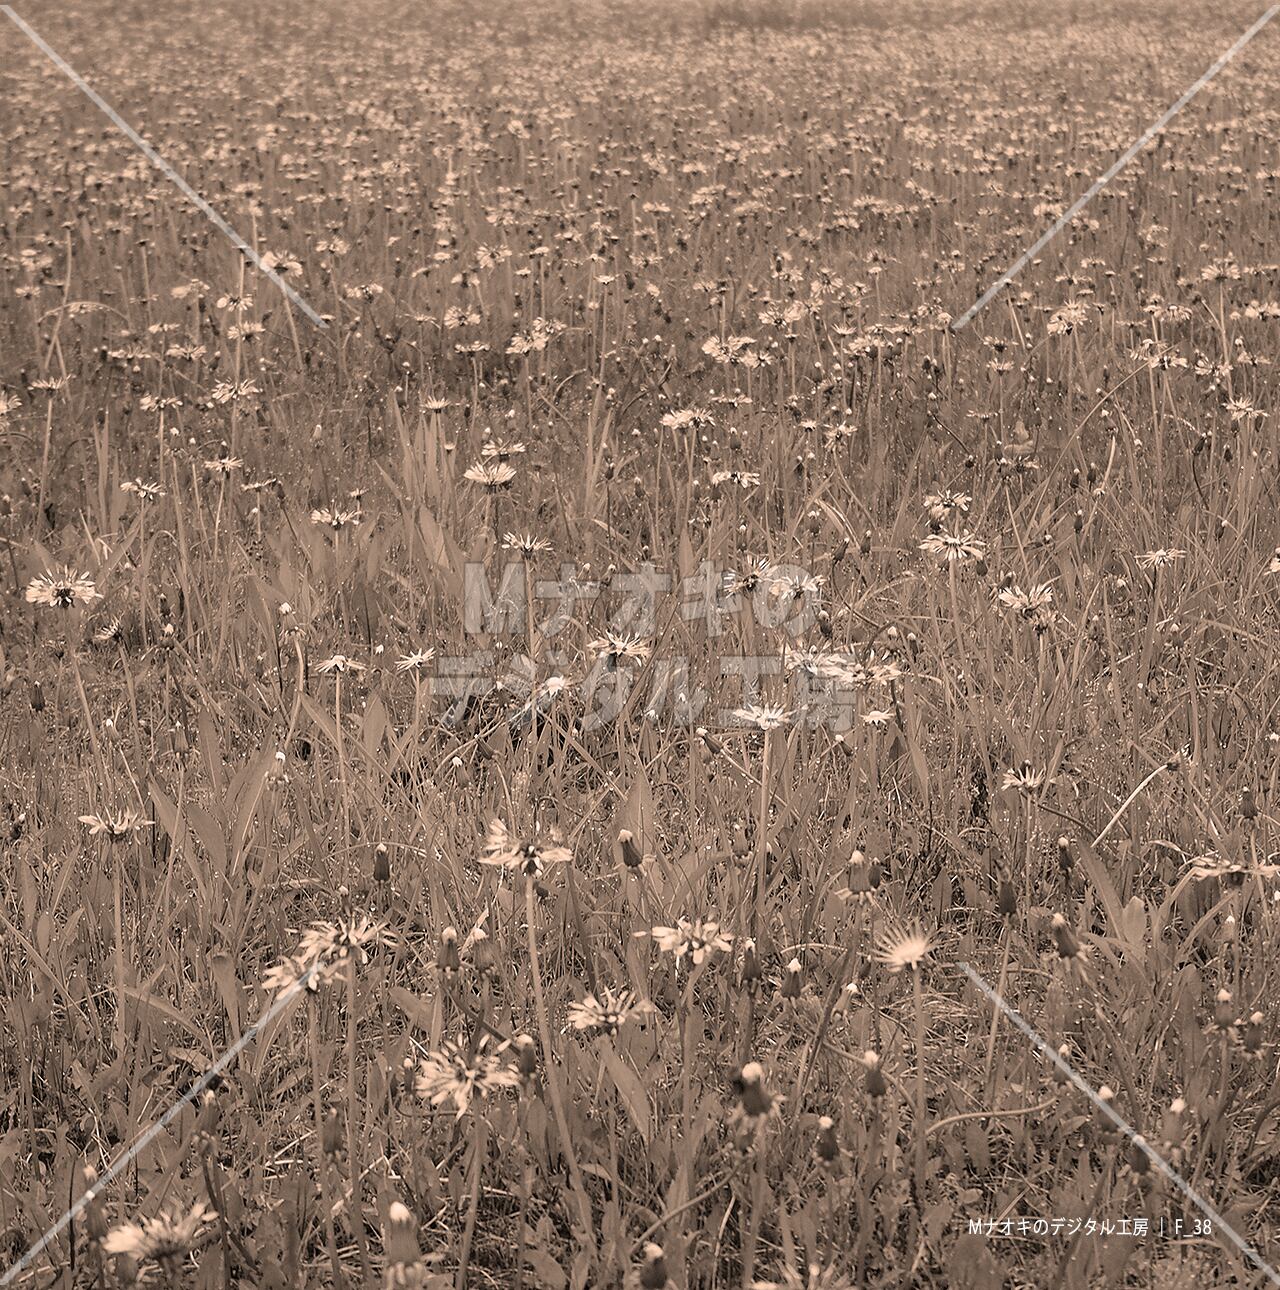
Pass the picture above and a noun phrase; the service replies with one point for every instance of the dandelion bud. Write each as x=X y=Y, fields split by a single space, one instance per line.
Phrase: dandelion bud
x=751 y=970
x=526 y=1057
x=824 y=624
x=37 y=697
x=94 y=1218
x=381 y=863
x=1251 y=1035
x=168 y=636
x=1138 y=1160
x=980 y=567
x=1248 y=807
x=827 y=1146
x=793 y=981
x=1105 y=1096
x=841 y=551
x=741 y=846
x=865 y=545
x=1223 y=1013
x=1077 y=521
x=483 y=956
x=400 y=1238
x=653 y=1272
x=756 y=1101
x=448 y=960
x=637 y=486
x=877 y=1086
x=714 y=746
x=1066 y=861
x=1065 y=939
x=1060 y=1077
x=1007 y=901
x=461 y=773
x=331 y=1134
x=631 y=855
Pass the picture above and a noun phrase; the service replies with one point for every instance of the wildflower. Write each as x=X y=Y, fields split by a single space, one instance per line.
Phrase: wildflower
x=905 y=948
x=1034 y=606
x=525 y=543
x=878 y=718
x=813 y=1277
x=114 y=827
x=877 y=1085
x=698 y=939
x=762 y=717
x=145 y=492
x=415 y=660
x=461 y=1074
x=759 y=573
x=62 y=589
x=1026 y=779
x=109 y=632
x=340 y=664
x=166 y=1238
x=324 y=949
x=1160 y=559
x=333 y=517
x=614 y=649
x=225 y=465
x=607 y=1013
x=491 y=475
x=954 y=547
x=1211 y=865
x=528 y=855
x=944 y=503
x=499 y=450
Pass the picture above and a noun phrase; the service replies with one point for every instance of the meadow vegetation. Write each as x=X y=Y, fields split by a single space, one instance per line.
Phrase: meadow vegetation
x=592 y=693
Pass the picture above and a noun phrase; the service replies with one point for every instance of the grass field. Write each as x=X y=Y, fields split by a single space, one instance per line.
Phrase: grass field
x=581 y=697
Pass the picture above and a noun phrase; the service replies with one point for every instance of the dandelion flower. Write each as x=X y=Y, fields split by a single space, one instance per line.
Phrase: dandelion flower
x=905 y=948
x=606 y=1013
x=459 y=1074
x=529 y=855
x=166 y=1238
x=62 y=589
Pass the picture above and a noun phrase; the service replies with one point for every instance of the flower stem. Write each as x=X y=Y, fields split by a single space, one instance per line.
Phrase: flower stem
x=553 y=1073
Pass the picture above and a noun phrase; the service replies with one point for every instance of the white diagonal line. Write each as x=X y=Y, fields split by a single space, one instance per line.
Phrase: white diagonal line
x=1099 y=184
x=1220 y=1223
x=140 y=1143
x=158 y=161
